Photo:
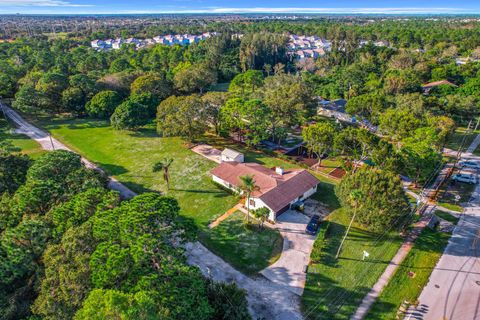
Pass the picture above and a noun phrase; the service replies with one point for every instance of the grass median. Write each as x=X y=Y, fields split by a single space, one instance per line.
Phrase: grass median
x=412 y=275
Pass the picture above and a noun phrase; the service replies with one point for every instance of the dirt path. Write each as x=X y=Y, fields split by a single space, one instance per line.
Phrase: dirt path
x=265 y=299
x=224 y=216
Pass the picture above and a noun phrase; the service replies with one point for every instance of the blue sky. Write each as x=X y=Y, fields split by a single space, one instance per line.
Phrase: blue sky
x=239 y=6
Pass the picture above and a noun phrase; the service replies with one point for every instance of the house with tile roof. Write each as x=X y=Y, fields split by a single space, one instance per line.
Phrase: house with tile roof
x=427 y=87
x=278 y=189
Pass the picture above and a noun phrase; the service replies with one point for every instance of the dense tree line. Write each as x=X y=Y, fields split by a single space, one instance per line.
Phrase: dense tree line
x=70 y=249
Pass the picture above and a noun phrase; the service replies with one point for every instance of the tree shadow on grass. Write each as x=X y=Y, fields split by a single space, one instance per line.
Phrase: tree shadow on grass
x=112 y=169
x=144 y=133
x=139 y=188
x=218 y=193
x=85 y=124
x=324 y=298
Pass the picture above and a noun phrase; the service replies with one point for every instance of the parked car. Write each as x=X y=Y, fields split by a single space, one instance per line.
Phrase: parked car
x=313 y=225
x=465 y=178
x=470 y=164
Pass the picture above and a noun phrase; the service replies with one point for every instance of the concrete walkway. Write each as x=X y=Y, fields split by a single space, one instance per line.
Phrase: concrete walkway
x=474 y=145
x=297 y=246
x=266 y=300
x=208 y=152
x=402 y=253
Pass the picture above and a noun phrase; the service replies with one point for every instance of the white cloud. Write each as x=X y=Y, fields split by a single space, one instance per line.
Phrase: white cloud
x=338 y=10
x=300 y=10
x=40 y=3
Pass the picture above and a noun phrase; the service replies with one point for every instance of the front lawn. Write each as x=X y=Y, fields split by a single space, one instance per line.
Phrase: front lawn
x=334 y=288
x=23 y=142
x=246 y=247
x=411 y=276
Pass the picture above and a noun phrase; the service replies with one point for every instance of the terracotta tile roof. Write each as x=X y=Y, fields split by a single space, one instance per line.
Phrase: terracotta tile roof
x=275 y=190
x=438 y=83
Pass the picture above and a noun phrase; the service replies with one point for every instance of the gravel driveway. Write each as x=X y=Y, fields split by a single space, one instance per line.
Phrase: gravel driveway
x=266 y=299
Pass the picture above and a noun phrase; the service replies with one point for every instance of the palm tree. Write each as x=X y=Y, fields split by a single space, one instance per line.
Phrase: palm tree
x=248 y=187
x=355 y=196
x=164 y=165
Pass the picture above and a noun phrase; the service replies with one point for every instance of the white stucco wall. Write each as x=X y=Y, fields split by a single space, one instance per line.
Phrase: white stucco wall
x=260 y=204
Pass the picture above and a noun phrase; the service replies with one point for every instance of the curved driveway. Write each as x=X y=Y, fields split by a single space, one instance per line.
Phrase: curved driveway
x=297 y=246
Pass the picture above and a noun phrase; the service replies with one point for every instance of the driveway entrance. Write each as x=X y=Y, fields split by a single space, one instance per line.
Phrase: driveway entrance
x=297 y=245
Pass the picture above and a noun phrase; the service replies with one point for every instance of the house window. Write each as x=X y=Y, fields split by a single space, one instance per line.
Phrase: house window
x=252 y=203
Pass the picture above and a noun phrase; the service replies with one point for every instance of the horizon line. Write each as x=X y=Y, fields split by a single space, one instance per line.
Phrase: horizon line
x=264 y=10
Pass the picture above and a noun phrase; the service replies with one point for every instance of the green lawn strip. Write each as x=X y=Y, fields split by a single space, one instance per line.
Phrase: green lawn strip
x=23 y=142
x=329 y=164
x=246 y=247
x=411 y=276
x=446 y=216
x=334 y=288
x=450 y=206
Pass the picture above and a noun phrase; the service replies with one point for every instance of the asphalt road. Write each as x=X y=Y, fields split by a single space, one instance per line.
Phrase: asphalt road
x=453 y=290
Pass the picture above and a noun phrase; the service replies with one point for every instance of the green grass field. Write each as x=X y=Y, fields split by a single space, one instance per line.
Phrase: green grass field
x=334 y=288
x=411 y=276
x=24 y=143
x=246 y=247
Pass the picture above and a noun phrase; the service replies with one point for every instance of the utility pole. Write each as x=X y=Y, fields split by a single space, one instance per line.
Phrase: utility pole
x=51 y=141
x=355 y=196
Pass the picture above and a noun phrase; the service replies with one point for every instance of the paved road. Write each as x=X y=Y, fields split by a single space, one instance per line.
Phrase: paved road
x=266 y=299
x=297 y=246
x=453 y=290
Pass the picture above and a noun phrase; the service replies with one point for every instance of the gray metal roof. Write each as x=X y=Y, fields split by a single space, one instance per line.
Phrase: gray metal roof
x=230 y=153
